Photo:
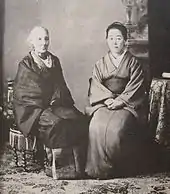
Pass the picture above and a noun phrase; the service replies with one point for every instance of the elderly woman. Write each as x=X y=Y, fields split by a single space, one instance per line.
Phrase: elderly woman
x=43 y=105
x=117 y=95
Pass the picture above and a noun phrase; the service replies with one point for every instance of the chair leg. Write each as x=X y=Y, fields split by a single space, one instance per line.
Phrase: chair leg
x=33 y=156
x=53 y=165
x=49 y=156
x=45 y=160
x=15 y=156
x=24 y=159
x=55 y=155
x=76 y=159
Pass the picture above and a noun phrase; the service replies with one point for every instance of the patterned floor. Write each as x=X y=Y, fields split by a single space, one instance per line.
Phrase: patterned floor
x=14 y=180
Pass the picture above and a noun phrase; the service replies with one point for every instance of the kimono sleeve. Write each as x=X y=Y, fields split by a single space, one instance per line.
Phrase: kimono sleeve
x=135 y=92
x=97 y=91
x=97 y=73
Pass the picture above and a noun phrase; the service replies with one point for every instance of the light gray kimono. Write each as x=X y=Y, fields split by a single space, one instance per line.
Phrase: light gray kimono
x=109 y=128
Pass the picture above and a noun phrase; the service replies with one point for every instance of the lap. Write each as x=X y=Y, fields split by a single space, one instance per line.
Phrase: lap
x=62 y=128
x=112 y=119
x=112 y=128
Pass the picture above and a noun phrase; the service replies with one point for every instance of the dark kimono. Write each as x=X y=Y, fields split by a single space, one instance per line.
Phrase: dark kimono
x=43 y=105
x=109 y=129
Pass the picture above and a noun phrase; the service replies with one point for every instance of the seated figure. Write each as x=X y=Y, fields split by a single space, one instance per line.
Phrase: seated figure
x=43 y=105
x=117 y=97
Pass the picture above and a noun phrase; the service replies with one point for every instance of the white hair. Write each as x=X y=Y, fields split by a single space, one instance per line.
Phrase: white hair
x=33 y=34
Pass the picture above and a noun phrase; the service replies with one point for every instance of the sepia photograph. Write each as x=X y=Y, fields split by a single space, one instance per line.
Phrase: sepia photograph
x=85 y=97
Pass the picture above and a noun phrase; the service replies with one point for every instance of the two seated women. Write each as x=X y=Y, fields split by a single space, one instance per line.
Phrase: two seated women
x=44 y=107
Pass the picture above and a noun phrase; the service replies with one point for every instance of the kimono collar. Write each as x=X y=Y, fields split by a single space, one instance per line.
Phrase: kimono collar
x=117 y=60
x=40 y=62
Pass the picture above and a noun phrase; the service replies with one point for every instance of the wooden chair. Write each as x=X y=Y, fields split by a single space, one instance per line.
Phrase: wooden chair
x=24 y=145
x=55 y=155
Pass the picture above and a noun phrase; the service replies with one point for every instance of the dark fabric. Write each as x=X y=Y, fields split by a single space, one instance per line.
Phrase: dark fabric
x=41 y=96
x=116 y=84
x=62 y=127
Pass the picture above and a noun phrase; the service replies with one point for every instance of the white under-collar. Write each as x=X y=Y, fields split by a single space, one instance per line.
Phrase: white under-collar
x=117 y=60
x=47 y=62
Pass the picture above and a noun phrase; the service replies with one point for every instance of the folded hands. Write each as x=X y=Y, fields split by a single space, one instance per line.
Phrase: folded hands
x=113 y=104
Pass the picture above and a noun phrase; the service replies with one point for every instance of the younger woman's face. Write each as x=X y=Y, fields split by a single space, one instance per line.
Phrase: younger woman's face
x=41 y=41
x=115 y=41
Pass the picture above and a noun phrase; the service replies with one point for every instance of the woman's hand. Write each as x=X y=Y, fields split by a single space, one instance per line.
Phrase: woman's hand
x=113 y=104
x=48 y=118
x=109 y=101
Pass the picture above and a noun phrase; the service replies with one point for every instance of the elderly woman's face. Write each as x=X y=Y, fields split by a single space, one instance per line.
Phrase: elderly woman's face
x=40 y=41
x=115 y=41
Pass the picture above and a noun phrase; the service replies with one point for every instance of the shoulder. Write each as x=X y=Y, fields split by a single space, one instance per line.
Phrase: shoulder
x=131 y=57
x=101 y=63
x=26 y=61
x=24 y=68
x=54 y=57
x=132 y=60
x=56 y=61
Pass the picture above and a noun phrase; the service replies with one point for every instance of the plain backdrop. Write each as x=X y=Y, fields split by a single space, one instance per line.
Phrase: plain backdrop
x=77 y=33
